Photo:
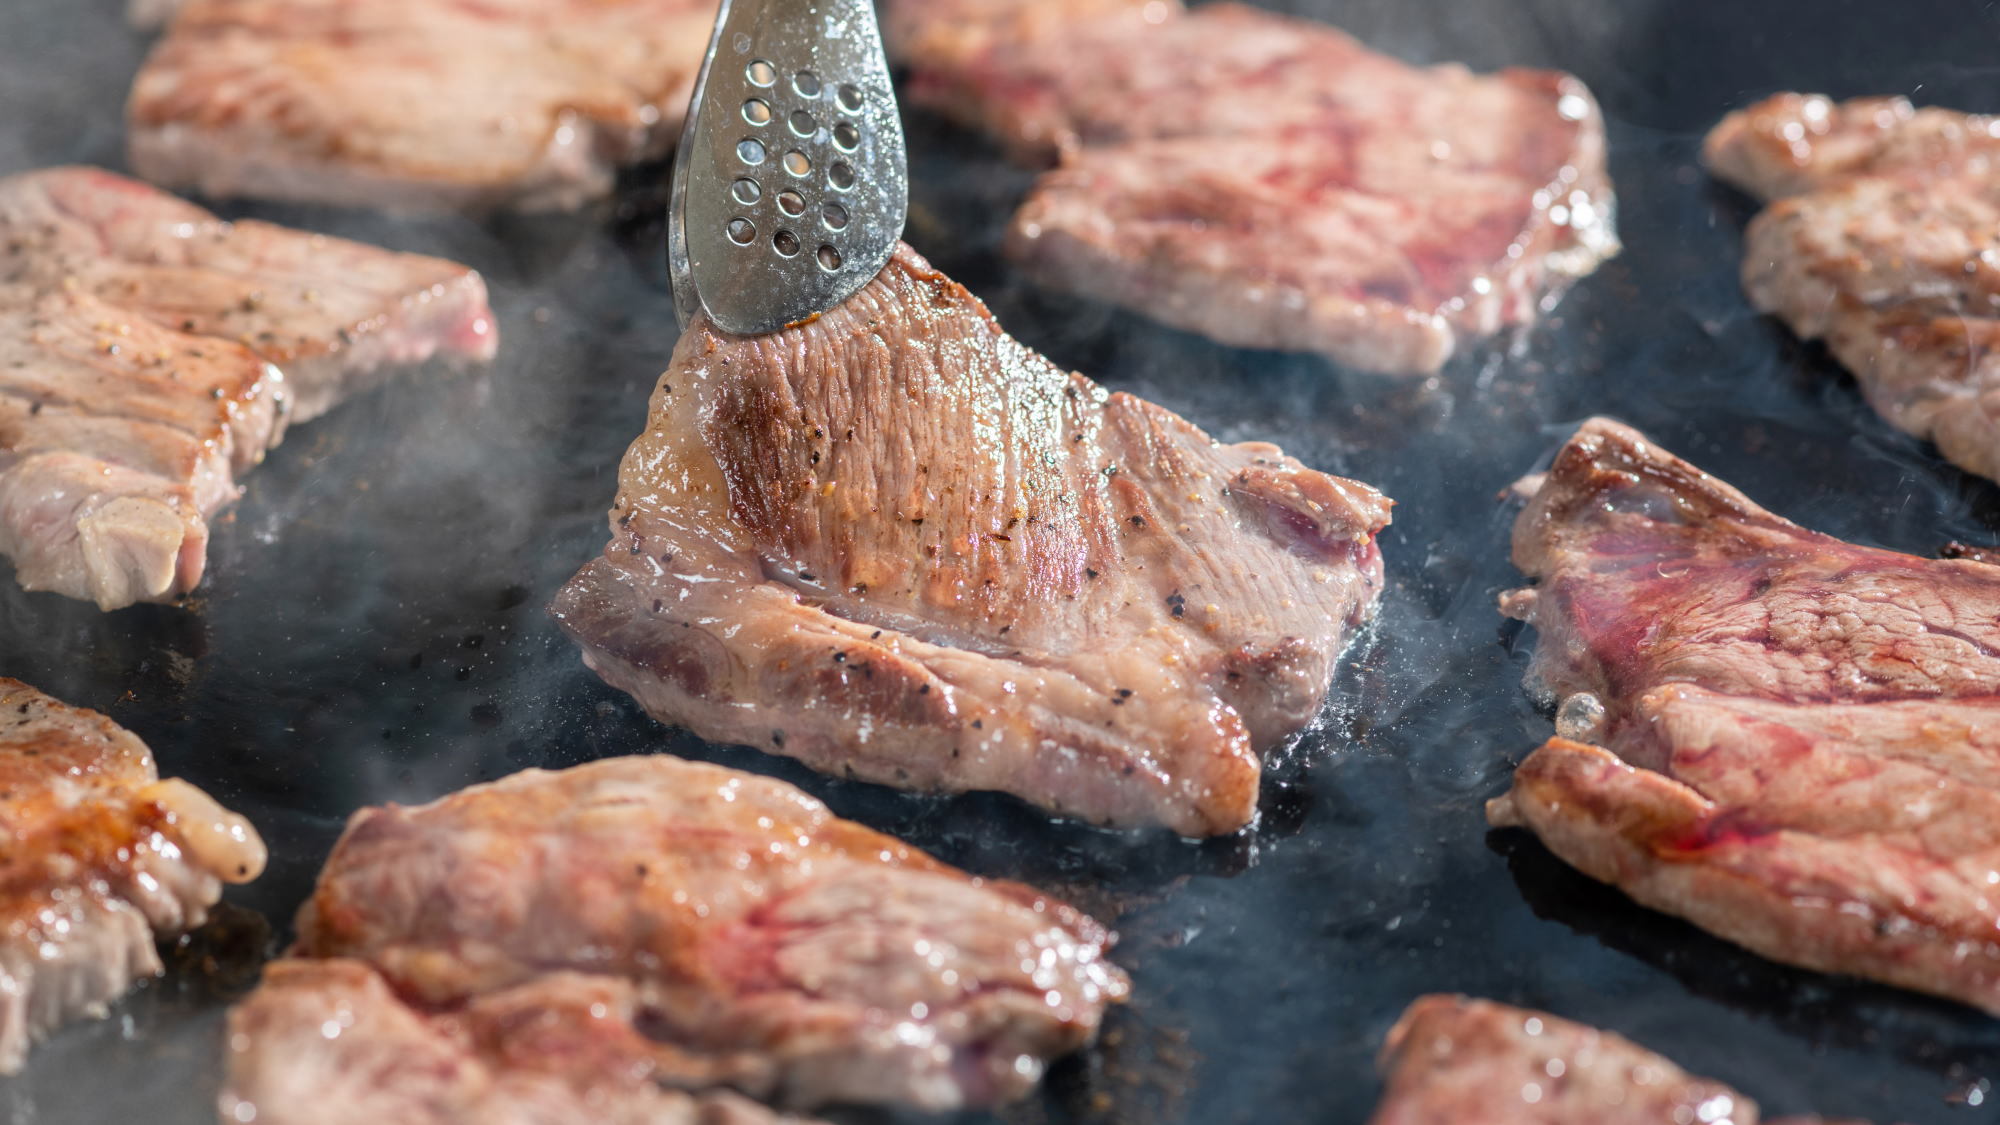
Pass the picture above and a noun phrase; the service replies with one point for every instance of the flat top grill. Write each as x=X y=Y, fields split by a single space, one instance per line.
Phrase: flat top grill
x=372 y=628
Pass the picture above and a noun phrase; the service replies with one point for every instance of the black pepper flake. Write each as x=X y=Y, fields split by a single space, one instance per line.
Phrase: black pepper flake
x=923 y=689
x=777 y=738
x=1138 y=521
x=806 y=576
x=840 y=658
x=1089 y=573
x=978 y=724
x=1004 y=628
x=1178 y=603
x=815 y=457
x=875 y=635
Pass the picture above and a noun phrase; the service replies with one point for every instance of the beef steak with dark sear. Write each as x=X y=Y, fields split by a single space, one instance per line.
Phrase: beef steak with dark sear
x=898 y=545
x=1802 y=749
x=101 y=859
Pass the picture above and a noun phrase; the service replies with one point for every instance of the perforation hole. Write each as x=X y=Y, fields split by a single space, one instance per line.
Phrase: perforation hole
x=746 y=191
x=741 y=231
x=849 y=98
x=750 y=151
x=829 y=259
x=761 y=74
x=847 y=136
x=785 y=243
x=797 y=164
x=840 y=176
x=806 y=83
x=835 y=216
x=757 y=112
x=791 y=202
x=803 y=124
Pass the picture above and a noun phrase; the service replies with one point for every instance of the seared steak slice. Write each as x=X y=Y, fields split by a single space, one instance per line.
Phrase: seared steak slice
x=1802 y=755
x=537 y=1055
x=415 y=104
x=1270 y=182
x=1003 y=65
x=101 y=858
x=1791 y=144
x=645 y=922
x=1452 y=1060
x=897 y=545
x=150 y=352
x=1880 y=242
x=1364 y=248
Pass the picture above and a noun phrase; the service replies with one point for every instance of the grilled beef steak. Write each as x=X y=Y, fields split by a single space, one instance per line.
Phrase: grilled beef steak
x=1453 y=1061
x=944 y=40
x=1880 y=240
x=594 y=934
x=415 y=104
x=1801 y=732
x=101 y=858
x=549 y=1055
x=150 y=353
x=1270 y=182
x=898 y=545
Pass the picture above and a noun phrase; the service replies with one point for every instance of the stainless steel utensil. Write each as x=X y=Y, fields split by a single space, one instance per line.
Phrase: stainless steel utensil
x=792 y=182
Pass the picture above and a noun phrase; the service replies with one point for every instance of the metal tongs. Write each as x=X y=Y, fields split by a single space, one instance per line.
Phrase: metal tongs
x=792 y=183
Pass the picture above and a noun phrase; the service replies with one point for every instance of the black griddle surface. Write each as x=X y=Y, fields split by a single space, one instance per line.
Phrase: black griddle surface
x=372 y=628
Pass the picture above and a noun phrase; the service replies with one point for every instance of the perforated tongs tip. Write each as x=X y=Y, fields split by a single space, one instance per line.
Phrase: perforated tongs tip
x=791 y=186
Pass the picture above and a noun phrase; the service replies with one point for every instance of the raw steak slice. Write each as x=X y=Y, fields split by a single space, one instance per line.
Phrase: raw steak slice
x=645 y=922
x=897 y=545
x=1881 y=242
x=1452 y=1061
x=514 y=1059
x=1270 y=182
x=1801 y=754
x=150 y=353
x=415 y=104
x=102 y=858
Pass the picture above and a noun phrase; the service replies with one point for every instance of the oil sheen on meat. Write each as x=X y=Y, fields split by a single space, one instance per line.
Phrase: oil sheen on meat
x=1880 y=239
x=151 y=353
x=413 y=105
x=101 y=859
x=593 y=936
x=1794 y=737
x=896 y=544
x=1269 y=182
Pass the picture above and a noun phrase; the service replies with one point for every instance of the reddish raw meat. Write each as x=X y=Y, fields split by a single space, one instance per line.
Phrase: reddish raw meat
x=637 y=922
x=1802 y=755
x=1270 y=182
